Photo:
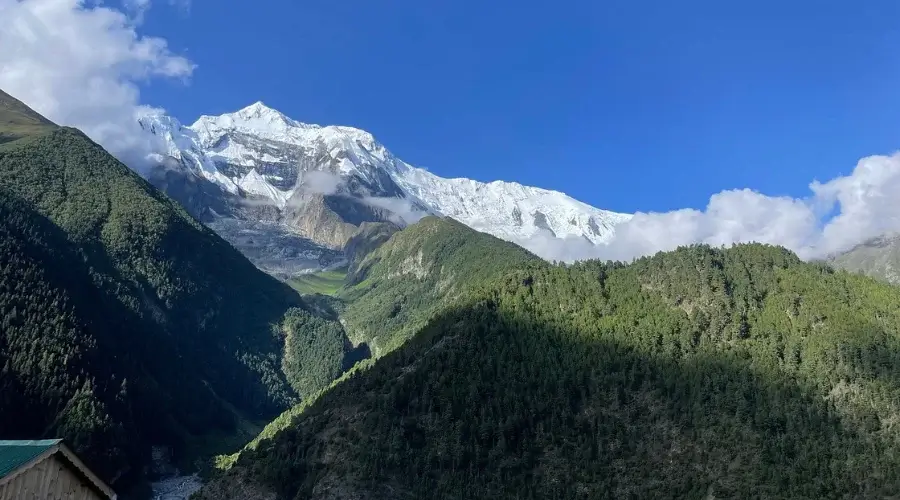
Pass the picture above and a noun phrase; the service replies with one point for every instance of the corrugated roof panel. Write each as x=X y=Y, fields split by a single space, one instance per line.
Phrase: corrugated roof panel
x=14 y=454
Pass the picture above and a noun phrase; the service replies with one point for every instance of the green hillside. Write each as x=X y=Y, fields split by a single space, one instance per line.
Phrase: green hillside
x=322 y=282
x=17 y=120
x=444 y=363
x=52 y=330
x=400 y=285
x=699 y=373
x=125 y=322
x=397 y=282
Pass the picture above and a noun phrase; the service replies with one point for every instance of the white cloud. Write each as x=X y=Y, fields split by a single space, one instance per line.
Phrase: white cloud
x=78 y=64
x=318 y=181
x=137 y=8
x=403 y=212
x=548 y=246
x=867 y=203
x=869 y=200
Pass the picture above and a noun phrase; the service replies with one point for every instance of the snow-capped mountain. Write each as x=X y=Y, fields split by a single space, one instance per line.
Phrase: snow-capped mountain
x=291 y=194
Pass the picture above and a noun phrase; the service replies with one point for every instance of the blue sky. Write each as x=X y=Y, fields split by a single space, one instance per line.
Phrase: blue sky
x=625 y=105
x=717 y=118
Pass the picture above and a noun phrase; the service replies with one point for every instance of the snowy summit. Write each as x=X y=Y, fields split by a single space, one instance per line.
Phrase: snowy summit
x=257 y=156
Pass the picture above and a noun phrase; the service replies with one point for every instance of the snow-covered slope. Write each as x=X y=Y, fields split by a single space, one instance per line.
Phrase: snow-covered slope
x=259 y=157
x=509 y=210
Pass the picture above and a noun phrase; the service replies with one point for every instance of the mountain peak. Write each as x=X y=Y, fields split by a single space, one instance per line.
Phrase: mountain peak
x=260 y=152
x=259 y=110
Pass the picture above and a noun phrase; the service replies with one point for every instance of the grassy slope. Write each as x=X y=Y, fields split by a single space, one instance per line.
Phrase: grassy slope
x=324 y=282
x=398 y=280
x=18 y=120
x=696 y=373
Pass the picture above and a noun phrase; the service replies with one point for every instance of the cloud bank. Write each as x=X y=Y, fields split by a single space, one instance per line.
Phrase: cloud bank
x=79 y=64
x=836 y=215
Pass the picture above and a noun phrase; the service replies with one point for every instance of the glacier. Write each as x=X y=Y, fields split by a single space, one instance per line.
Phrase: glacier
x=269 y=170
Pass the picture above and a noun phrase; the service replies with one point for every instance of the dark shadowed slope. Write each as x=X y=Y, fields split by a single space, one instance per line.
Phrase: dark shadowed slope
x=397 y=282
x=699 y=373
x=126 y=323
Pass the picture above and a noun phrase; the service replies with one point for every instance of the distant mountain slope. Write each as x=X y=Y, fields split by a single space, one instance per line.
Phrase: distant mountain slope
x=878 y=258
x=125 y=322
x=266 y=173
x=699 y=373
x=399 y=281
x=395 y=289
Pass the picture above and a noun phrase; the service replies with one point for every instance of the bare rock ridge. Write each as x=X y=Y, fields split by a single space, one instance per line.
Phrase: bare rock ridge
x=291 y=195
x=878 y=258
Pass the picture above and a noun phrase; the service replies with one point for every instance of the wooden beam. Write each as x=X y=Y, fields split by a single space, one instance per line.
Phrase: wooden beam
x=79 y=465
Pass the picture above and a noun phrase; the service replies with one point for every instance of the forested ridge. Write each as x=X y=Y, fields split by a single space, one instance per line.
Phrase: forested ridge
x=395 y=288
x=125 y=322
x=698 y=373
x=396 y=283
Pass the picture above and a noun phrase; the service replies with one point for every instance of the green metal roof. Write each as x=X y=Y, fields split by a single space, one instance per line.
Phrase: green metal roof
x=14 y=454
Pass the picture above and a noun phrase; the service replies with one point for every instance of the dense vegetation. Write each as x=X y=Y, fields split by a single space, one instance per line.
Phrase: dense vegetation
x=699 y=373
x=51 y=338
x=125 y=322
x=396 y=288
x=316 y=351
x=367 y=239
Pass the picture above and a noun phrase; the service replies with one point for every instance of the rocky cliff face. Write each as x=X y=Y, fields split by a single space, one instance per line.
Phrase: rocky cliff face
x=329 y=220
x=878 y=258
